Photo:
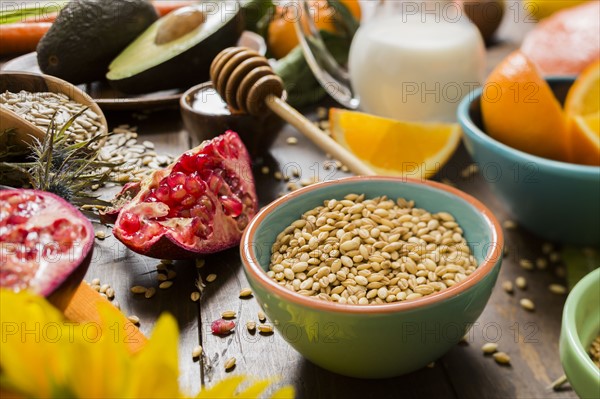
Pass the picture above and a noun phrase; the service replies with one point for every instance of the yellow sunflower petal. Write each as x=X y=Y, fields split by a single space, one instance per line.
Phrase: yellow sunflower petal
x=286 y=392
x=254 y=390
x=223 y=390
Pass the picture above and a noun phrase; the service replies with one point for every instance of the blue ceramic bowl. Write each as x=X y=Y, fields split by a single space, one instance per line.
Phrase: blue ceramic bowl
x=374 y=341
x=558 y=201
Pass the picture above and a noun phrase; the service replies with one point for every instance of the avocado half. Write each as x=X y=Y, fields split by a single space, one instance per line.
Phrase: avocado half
x=153 y=63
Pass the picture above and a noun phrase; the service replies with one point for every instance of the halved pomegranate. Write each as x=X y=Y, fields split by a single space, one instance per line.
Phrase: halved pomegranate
x=198 y=205
x=46 y=244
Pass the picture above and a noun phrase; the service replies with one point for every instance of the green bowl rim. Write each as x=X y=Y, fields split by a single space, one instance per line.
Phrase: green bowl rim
x=253 y=268
x=471 y=129
x=568 y=319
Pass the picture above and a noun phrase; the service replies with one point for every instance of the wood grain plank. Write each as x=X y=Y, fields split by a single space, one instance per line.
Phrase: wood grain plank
x=116 y=265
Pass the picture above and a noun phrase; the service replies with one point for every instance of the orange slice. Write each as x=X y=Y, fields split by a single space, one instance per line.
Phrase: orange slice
x=585 y=140
x=395 y=148
x=584 y=96
x=520 y=110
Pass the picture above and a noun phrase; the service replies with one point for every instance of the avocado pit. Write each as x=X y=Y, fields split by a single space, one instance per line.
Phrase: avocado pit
x=179 y=24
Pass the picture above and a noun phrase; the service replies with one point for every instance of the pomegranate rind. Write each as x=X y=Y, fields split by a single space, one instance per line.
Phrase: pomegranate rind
x=62 y=286
x=170 y=242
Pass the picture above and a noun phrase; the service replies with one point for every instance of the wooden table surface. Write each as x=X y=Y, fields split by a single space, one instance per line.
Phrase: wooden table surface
x=530 y=338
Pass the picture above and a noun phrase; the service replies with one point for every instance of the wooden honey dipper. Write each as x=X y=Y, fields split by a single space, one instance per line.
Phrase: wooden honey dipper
x=245 y=80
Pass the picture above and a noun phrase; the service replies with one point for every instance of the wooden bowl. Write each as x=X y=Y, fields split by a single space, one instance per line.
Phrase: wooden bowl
x=35 y=83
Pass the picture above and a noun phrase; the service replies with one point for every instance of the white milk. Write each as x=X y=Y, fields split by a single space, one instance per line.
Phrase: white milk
x=414 y=68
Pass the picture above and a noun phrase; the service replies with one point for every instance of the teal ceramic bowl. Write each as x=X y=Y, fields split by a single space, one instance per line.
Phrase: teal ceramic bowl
x=558 y=201
x=580 y=326
x=375 y=341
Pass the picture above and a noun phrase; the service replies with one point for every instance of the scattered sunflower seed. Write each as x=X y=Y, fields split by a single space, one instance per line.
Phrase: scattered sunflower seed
x=211 y=277
x=557 y=289
x=292 y=140
x=265 y=328
x=265 y=170
x=501 y=358
x=262 y=317
x=246 y=293
x=161 y=277
x=520 y=282
x=200 y=263
x=138 y=289
x=278 y=175
x=554 y=257
x=195 y=296
x=230 y=363
x=110 y=293
x=171 y=274
x=509 y=225
x=489 y=348
x=150 y=292
x=507 y=286
x=228 y=314
x=165 y=285
x=166 y=261
x=134 y=319
x=469 y=171
x=526 y=264
x=161 y=267
x=541 y=263
x=547 y=248
x=104 y=287
x=559 y=382
x=96 y=281
x=251 y=325
x=197 y=352
x=527 y=304
x=100 y=234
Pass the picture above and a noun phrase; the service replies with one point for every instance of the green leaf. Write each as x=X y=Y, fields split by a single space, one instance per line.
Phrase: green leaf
x=255 y=11
x=579 y=263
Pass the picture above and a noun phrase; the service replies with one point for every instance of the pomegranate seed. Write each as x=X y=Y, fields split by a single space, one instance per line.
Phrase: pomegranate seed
x=130 y=222
x=233 y=207
x=221 y=326
x=187 y=162
x=195 y=186
x=185 y=213
x=215 y=183
x=176 y=179
x=162 y=193
x=16 y=219
x=178 y=193
x=188 y=201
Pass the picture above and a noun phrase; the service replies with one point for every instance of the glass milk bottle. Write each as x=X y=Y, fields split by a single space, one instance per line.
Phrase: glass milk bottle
x=413 y=60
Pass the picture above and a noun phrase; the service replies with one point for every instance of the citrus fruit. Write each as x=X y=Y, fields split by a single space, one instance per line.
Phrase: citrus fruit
x=585 y=140
x=566 y=42
x=544 y=8
x=584 y=96
x=392 y=147
x=520 y=110
x=282 y=34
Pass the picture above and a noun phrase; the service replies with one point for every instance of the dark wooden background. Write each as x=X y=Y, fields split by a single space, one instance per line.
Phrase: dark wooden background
x=530 y=338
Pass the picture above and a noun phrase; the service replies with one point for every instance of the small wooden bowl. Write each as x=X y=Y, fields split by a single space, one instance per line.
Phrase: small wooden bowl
x=213 y=117
x=35 y=83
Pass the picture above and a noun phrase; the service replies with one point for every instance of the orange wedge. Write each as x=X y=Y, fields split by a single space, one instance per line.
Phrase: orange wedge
x=584 y=95
x=520 y=110
x=585 y=140
x=395 y=148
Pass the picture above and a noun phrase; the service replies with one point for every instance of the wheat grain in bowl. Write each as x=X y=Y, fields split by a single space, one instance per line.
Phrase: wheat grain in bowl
x=364 y=251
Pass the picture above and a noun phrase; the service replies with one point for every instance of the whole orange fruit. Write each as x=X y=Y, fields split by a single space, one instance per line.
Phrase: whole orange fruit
x=282 y=34
x=520 y=110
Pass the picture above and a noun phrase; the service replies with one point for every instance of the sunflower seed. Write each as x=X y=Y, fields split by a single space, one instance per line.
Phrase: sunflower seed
x=246 y=293
x=265 y=328
x=211 y=277
x=195 y=296
x=150 y=292
x=138 y=289
x=292 y=140
x=520 y=282
x=507 y=286
x=228 y=314
x=251 y=325
x=489 y=348
x=501 y=358
x=197 y=352
x=165 y=285
x=261 y=316
x=134 y=319
x=557 y=289
x=527 y=304
x=230 y=363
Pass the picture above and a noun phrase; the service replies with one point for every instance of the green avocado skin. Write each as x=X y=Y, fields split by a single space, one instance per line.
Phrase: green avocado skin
x=88 y=34
x=185 y=69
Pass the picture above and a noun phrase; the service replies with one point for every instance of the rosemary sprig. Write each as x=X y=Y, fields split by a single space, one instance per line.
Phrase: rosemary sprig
x=56 y=165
